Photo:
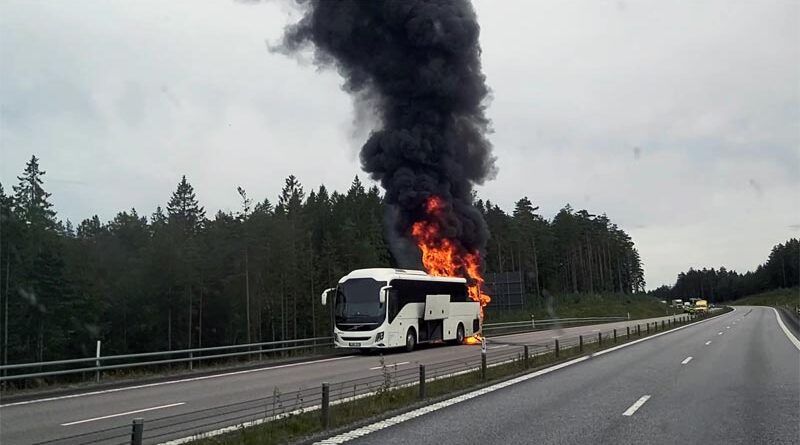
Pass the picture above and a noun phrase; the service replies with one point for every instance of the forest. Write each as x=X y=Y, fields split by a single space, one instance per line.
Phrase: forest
x=181 y=278
x=780 y=271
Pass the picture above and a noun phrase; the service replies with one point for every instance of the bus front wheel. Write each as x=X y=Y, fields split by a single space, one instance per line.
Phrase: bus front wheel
x=411 y=340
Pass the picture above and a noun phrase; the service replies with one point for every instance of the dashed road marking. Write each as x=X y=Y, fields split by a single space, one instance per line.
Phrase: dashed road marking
x=708 y=342
x=720 y=333
x=635 y=407
x=686 y=360
x=124 y=414
x=388 y=366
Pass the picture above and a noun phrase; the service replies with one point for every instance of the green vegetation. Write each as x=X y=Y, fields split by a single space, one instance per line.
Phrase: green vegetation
x=788 y=298
x=780 y=271
x=181 y=278
x=577 y=305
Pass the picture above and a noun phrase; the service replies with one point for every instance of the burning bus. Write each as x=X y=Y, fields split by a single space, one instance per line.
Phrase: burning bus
x=393 y=308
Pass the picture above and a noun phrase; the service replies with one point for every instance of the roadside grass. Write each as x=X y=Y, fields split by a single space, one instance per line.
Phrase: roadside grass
x=574 y=305
x=305 y=427
x=788 y=298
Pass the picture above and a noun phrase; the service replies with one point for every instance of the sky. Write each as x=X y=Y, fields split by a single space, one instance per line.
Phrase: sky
x=679 y=120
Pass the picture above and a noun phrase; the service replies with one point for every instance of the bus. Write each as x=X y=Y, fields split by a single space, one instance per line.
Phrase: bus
x=398 y=308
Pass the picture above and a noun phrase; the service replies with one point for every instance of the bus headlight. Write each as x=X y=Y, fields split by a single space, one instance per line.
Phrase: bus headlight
x=379 y=336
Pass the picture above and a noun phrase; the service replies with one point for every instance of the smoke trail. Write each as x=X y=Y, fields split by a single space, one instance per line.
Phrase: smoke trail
x=418 y=64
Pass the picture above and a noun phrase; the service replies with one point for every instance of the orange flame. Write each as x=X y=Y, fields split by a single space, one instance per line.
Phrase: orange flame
x=444 y=257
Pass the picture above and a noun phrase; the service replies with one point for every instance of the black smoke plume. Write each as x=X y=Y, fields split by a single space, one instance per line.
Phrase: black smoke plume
x=417 y=64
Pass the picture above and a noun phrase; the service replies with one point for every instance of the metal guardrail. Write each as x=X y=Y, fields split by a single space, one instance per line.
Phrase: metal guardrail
x=95 y=364
x=99 y=364
x=329 y=398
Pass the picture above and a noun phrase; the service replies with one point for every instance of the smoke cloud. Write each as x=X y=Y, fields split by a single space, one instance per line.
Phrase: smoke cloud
x=417 y=64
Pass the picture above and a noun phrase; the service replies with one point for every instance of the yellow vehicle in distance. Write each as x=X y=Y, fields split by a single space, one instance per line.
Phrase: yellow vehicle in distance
x=700 y=307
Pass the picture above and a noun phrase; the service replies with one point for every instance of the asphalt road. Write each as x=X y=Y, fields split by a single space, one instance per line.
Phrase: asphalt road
x=52 y=418
x=733 y=379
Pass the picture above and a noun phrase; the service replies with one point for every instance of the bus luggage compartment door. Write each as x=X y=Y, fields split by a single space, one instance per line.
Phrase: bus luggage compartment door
x=437 y=307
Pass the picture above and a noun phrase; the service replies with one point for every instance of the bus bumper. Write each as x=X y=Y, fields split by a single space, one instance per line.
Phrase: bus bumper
x=360 y=340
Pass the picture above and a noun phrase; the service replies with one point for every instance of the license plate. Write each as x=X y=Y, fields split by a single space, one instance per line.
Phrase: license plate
x=354 y=344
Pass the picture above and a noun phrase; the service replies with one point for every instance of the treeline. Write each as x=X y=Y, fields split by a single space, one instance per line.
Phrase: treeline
x=781 y=270
x=179 y=278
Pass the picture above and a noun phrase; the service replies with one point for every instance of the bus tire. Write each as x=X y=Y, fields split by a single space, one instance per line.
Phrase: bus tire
x=459 y=340
x=411 y=340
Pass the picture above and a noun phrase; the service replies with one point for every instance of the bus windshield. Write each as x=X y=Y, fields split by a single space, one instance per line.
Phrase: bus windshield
x=357 y=301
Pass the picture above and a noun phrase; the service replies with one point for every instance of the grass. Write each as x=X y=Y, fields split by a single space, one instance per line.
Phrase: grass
x=788 y=298
x=388 y=402
x=573 y=305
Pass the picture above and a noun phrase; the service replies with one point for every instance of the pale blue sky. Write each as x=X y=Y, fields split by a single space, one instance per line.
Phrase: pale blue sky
x=119 y=99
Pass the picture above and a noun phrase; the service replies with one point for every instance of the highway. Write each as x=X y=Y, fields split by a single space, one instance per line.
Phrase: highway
x=54 y=417
x=732 y=379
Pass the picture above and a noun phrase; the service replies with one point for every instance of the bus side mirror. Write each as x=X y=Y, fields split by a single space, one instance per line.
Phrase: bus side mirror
x=383 y=294
x=325 y=295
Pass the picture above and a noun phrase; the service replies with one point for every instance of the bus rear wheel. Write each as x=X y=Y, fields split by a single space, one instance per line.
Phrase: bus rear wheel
x=459 y=340
x=411 y=340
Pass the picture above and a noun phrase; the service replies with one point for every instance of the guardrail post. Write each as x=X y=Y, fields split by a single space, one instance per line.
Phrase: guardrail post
x=580 y=343
x=599 y=339
x=97 y=363
x=526 y=352
x=627 y=332
x=615 y=335
x=662 y=325
x=325 y=412
x=533 y=322
x=638 y=330
x=483 y=364
x=191 y=364
x=556 y=348
x=422 y=381
x=647 y=328
x=137 y=431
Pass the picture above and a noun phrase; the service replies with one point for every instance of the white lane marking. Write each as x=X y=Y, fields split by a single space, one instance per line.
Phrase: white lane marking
x=498 y=347
x=638 y=404
x=720 y=333
x=389 y=366
x=708 y=342
x=170 y=382
x=124 y=414
x=727 y=327
x=341 y=438
x=786 y=331
x=686 y=360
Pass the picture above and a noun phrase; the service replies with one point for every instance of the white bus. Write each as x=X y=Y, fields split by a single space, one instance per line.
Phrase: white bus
x=392 y=308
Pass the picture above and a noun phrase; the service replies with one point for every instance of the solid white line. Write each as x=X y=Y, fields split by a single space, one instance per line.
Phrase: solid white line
x=498 y=347
x=686 y=360
x=786 y=331
x=388 y=366
x=192 y=379
x=708 y=342
x=124 y=414
x=636 y=406
x=720 y=333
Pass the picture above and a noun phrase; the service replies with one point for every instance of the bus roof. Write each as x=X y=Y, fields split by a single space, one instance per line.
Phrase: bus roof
x=387 y=274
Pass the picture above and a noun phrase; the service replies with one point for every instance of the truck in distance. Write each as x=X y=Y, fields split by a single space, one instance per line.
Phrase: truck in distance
x=392 y=308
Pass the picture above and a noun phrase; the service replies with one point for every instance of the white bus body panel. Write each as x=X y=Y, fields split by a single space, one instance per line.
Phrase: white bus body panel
x=437 y=307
